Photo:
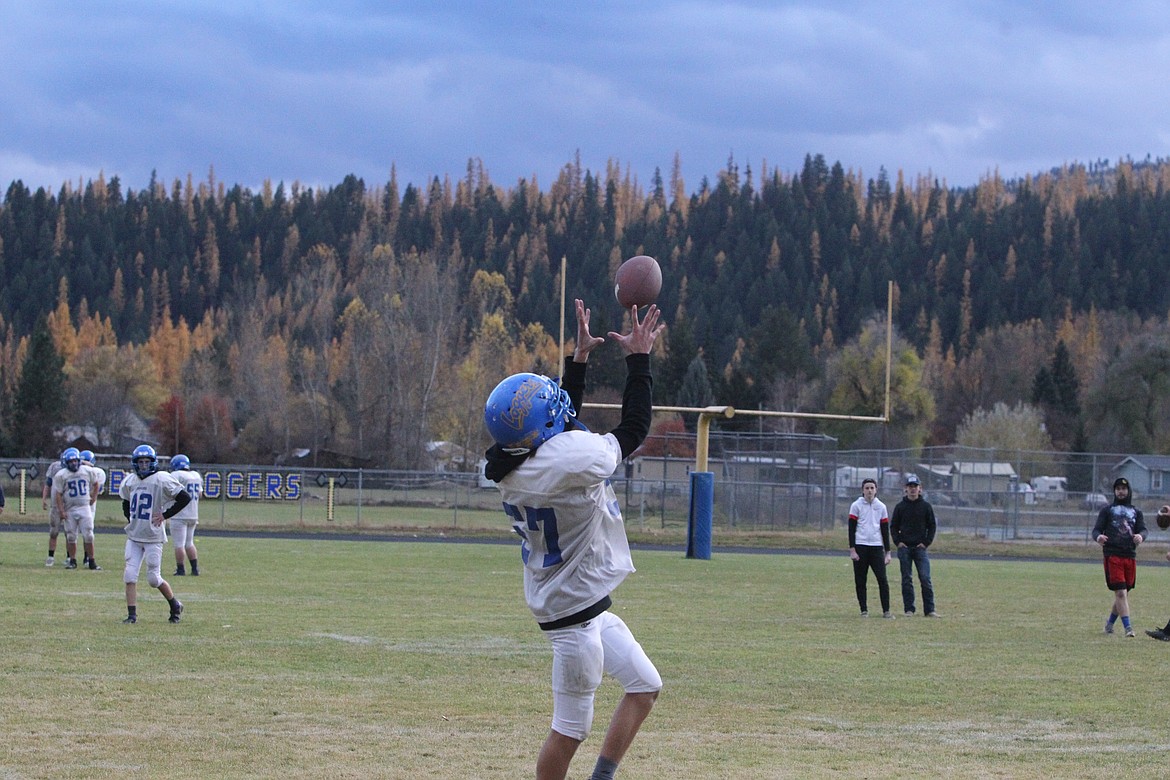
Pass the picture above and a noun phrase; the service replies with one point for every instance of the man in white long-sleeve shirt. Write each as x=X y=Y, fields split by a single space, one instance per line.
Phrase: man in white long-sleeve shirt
x=869 y=545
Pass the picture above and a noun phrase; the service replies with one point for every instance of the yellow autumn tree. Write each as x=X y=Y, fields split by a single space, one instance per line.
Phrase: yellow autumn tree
x=61 y=324
x=169 y=347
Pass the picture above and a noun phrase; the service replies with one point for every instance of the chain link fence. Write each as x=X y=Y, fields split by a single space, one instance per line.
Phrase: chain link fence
x=763 y=482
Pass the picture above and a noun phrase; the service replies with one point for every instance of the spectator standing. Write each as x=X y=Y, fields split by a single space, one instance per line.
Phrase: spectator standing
x=869 y=546
x=1119 y=529
x=912 y=528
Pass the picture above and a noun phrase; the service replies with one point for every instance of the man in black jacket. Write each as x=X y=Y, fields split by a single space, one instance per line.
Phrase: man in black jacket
x=912 y=528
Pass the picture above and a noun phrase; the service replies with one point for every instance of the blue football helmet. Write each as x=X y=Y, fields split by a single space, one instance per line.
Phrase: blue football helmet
x=145 y=460
x=71 y=458
x=180 y=463
x=525 y=411
x=87 y=457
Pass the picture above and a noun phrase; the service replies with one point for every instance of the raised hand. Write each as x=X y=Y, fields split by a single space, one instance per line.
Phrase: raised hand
x=585 y=341
x=643 y=334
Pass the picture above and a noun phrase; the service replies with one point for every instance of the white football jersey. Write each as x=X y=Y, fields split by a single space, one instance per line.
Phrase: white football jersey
x=193 y=484
x=148 y=497
x=101 y=477
x=76 y=487
x=51 y=472
x=574 y=543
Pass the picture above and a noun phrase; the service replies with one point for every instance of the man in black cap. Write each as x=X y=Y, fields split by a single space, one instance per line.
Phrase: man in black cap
x=912 y=529
x=1120 y=528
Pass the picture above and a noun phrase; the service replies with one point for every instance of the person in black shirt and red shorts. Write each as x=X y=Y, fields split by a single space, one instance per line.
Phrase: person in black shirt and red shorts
x=1120 y=528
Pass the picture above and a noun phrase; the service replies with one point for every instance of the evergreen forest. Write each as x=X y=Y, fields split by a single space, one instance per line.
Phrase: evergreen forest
x=364 y=321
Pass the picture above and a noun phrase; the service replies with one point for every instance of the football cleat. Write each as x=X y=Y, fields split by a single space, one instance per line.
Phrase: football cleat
x=175 y=612
x=131 y=619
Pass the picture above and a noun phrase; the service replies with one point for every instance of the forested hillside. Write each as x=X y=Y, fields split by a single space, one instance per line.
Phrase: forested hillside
x=364 y=320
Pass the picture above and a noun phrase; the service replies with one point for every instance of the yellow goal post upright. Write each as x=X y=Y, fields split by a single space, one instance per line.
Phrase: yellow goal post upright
x=700 y=515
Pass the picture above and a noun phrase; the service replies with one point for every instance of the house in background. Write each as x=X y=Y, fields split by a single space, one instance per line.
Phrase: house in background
x=118 y=439
x=982 y=477
x=448 y=458
x=847 y=479
x=1148 y=475
x=935 y=476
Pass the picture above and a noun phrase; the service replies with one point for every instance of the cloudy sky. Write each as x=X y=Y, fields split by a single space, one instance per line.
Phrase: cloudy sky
x=288 y=91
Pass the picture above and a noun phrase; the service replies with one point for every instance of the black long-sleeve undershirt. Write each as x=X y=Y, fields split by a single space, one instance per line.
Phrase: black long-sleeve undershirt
x=181 y=500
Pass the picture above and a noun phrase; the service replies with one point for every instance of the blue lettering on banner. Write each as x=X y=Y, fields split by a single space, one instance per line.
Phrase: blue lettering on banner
x=292 y=487
x=252 y=485
x=235 y=484
x=211 y=484
x=255 y=480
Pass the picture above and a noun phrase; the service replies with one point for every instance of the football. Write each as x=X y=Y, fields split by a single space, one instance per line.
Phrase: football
x=1164 y=517
x=638 y=281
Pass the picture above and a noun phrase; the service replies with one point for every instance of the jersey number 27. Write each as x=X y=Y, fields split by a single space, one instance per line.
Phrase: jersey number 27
x=528 y=522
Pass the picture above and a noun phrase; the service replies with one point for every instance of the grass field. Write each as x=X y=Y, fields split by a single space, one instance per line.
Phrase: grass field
x=326 y=659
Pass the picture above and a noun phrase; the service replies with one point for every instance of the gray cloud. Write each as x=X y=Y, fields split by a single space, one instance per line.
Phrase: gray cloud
x=291 y=91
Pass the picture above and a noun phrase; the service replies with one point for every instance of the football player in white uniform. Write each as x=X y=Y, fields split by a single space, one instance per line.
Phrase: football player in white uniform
x=144 y=494
x=553 y=475
x=75 y=490
x=88 y=459
x=183 y=524
x=50 y=504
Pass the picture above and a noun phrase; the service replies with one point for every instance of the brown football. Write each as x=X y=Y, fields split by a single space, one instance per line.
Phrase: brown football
x=638 y=281
x=1164 y=517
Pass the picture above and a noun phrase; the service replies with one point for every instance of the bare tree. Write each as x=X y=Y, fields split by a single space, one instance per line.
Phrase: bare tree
x=417 y=315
